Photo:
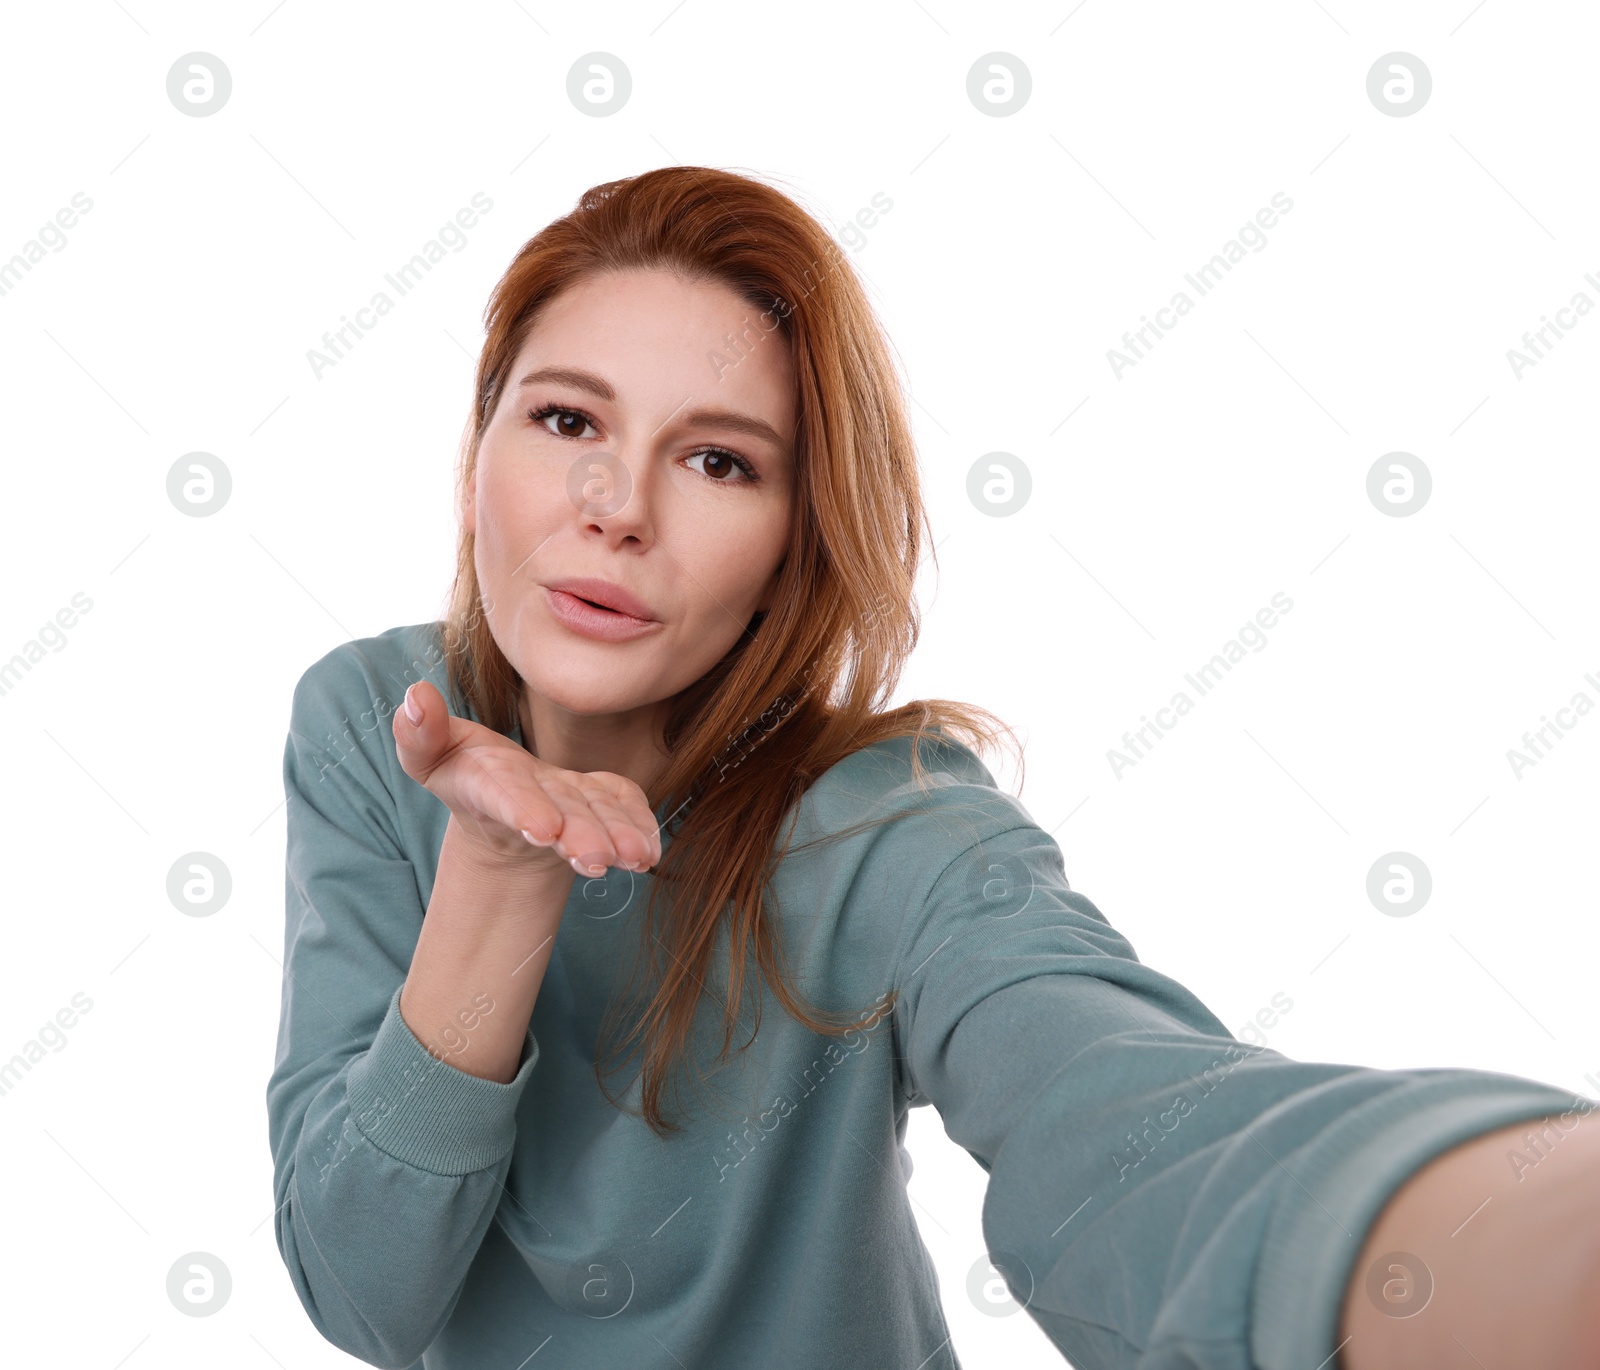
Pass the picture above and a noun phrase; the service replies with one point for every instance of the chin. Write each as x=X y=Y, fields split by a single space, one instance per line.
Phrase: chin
x=588 y=692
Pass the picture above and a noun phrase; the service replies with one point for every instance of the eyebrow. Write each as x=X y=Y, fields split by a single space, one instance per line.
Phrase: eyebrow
x=731 y=420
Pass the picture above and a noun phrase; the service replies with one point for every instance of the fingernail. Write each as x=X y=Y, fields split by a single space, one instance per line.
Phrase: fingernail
x=413 y=712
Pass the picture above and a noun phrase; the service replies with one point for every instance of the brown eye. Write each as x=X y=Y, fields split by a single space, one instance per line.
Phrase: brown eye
x=720 y=465
x=570 y=423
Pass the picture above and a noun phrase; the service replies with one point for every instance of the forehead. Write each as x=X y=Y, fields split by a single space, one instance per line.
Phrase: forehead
x=660 y=339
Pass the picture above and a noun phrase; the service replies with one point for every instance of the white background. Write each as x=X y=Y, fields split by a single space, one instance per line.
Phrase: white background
x=1169 y=505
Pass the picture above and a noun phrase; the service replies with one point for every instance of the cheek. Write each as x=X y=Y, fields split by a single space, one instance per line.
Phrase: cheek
x=493 y=529
x=728 y=581
x=734 y=556
x=514 y=512
x=730 y=574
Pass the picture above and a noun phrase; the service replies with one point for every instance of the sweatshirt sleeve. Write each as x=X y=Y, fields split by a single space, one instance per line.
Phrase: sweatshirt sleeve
x=387 y=1160
x=1160 y=1195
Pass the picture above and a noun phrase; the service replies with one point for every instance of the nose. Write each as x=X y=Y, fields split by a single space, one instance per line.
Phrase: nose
x=612 y=491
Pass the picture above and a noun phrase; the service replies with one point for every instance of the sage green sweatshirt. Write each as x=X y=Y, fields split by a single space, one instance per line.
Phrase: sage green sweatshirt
x=1159 y=1193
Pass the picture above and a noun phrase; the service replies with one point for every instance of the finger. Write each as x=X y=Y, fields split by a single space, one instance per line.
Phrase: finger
x=584 y=841
x=640 y=816
x=511 y=795
x=619 y=813
x=529 y=810
x=647 y=825
x=633 y=851
x=421 y=729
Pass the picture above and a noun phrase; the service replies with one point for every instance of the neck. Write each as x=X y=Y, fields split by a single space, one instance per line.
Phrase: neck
x=628 y=744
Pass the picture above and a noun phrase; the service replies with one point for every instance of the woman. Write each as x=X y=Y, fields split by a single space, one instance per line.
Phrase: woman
x=691 y=524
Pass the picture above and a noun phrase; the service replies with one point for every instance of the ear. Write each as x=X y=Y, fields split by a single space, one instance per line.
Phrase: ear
x=469 y=505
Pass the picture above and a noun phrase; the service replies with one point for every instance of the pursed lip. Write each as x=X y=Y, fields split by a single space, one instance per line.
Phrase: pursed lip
x=603 y=592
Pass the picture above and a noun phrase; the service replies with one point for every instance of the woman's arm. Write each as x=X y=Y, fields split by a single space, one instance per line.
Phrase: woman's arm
x=392 y=1131
x=518 y=828
x=481 y=956
x=387 y=1163
x=1489 y=1255
x=1160 y=1193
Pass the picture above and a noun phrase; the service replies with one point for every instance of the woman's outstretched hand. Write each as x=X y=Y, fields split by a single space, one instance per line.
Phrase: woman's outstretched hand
x=1488 y=1255
x=512 y=805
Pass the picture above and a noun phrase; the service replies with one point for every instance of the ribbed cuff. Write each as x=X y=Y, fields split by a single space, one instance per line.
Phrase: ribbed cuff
x=1353 y=1170
x=427 y=1113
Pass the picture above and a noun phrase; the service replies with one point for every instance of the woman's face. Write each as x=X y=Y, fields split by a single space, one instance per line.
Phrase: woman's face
x=663 y=465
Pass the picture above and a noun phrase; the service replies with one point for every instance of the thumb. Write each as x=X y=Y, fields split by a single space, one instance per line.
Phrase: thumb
x=417 y=721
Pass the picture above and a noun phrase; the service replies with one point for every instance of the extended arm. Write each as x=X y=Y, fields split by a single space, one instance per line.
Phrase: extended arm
x=1489 y=1255
x=1161 y=1194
